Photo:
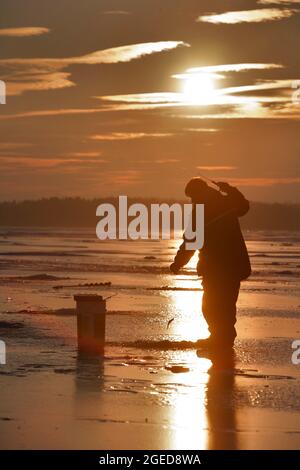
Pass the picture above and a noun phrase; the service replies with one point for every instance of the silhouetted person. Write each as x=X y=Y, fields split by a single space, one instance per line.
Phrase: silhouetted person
x=223 y=260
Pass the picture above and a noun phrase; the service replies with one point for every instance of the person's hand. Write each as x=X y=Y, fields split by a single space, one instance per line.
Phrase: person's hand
x=224 y=187
x=174 y=268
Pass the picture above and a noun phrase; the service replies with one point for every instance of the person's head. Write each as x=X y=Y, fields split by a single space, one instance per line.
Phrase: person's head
x=198 y=190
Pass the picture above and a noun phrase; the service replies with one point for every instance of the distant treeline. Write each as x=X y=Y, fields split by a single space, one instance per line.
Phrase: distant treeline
x=78 y=212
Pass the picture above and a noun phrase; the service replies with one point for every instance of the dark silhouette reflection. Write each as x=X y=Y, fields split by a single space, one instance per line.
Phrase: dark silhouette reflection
x=88 y=388
x=220 y=409
x=89 y=374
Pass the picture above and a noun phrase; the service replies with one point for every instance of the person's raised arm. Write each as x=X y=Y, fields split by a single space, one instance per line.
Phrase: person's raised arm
x=235 y=200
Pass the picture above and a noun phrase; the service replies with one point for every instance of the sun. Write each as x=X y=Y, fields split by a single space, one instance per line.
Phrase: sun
x=199 y=88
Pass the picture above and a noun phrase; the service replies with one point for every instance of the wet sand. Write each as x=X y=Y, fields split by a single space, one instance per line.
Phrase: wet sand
x=151 y=390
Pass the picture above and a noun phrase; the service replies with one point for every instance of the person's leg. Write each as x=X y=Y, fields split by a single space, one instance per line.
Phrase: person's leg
x=219 y=309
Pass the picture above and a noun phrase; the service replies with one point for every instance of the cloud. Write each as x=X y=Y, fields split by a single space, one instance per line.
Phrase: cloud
x=166 y=161
x=71 y=162
x=117 y=178
x=125 y=53
x=261 y=86
x=115 y=136
x=216 y=168
x=113 y=55
x=150 y=98
x=50 y=113
x=263 y=181
x=239 y=108
x=37 y=81
x=285 y=112
x=226 y=96
x=248 y=16
x=116 y=12
x=159 y=161
x=277 y=2
x=13 y=145
x=201 y=129
x=243 y=67
x=85 y=154
x=267 y=99
x=23 y=32
x=221 y=96
x=46 y=73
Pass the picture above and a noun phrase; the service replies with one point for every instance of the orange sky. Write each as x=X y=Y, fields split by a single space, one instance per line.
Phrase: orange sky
x=135 y=97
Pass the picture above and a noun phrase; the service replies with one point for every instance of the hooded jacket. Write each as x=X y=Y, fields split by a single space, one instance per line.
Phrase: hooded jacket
x=224 y=254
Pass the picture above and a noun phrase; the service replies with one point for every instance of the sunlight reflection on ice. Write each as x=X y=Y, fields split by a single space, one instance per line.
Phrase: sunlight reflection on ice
x=189 y=412
x=189 y=322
